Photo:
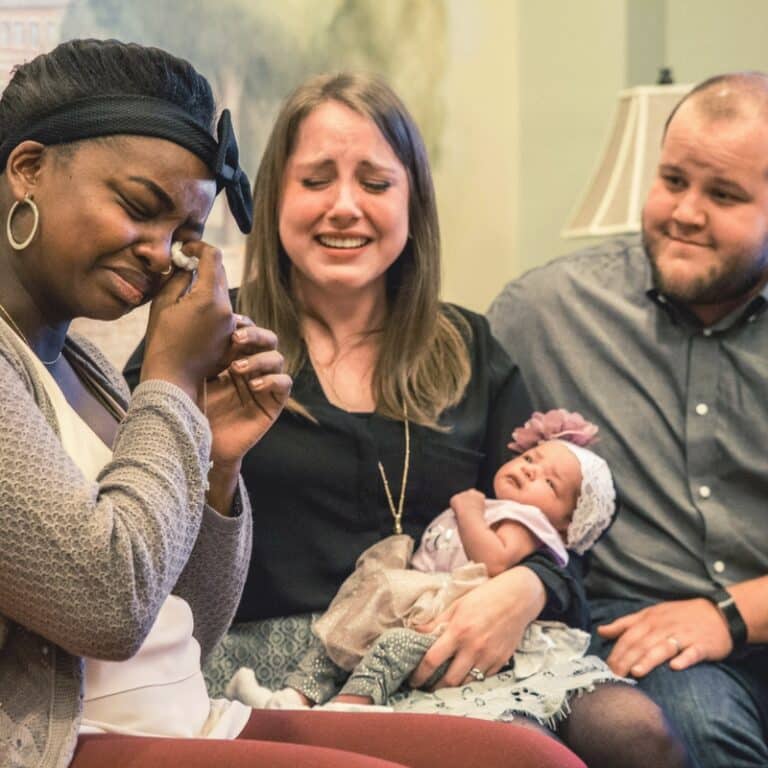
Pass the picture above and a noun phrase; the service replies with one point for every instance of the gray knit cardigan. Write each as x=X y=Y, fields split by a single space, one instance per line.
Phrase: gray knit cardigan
x=85 y=567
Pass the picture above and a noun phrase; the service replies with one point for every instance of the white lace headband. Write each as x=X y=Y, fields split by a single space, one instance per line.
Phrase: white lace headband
x=596 y=503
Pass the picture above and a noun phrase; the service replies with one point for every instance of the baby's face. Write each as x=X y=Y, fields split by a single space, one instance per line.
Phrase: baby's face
x=548 y=477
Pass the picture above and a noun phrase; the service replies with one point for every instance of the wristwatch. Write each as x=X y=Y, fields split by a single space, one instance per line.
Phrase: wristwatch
x=725 y=603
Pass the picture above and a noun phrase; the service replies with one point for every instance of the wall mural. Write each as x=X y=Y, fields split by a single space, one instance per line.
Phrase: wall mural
x=253 y=52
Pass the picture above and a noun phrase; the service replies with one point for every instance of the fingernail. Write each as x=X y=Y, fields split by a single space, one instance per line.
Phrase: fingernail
x=240 y=364
x=256 y=383
x=241 y=335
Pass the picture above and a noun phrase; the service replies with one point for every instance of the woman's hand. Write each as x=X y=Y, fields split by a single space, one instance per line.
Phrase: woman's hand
x=189 y=329
x=483 y=628
x=243 y=402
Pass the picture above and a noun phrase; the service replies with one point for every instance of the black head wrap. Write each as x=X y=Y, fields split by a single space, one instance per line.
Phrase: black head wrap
x=148 y=116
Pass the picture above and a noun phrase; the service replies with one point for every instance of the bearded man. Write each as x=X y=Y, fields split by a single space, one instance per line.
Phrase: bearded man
x=663 y=342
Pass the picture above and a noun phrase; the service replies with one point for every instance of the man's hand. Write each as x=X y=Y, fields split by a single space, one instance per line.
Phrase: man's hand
x=682 y=632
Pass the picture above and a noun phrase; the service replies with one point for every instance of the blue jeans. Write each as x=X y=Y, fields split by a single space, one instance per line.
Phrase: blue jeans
x=720 y=709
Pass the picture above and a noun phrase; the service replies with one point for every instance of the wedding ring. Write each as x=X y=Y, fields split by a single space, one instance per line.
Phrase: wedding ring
x=476 y=674
x=675 y=642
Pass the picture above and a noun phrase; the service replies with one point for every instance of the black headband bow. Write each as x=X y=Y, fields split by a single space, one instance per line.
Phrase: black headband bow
x=230 y=175
x=148 y=116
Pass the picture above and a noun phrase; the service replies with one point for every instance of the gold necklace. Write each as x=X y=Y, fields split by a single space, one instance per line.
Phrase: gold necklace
x=12 y=323
x=397 y=512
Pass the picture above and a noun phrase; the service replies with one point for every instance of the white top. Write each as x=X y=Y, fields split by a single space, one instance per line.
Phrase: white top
x=161 y=690
x=441 y=548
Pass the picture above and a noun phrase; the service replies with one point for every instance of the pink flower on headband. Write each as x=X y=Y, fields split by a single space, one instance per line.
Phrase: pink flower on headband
x=557 y=424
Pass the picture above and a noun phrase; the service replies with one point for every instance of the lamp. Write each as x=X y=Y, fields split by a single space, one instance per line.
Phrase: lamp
x=614 y=198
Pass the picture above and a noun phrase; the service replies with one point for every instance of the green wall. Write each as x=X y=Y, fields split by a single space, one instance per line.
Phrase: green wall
x=562 y=65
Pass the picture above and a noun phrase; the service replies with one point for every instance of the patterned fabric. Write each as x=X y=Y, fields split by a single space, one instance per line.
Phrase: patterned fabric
x=540 y=685
x=543 y=697
x=379 y=674
x=272 y=648
x=596 y=505
x=388 y=664
x=316 y=675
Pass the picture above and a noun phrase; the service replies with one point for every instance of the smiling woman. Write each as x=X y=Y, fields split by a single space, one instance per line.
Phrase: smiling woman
x=400 y=402
x=344 y=206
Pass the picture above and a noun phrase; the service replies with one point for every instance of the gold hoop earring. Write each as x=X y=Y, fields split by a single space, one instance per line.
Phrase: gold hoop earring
x=14 y=243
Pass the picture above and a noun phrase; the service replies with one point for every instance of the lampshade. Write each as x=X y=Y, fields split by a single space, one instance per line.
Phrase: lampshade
x=613 y=201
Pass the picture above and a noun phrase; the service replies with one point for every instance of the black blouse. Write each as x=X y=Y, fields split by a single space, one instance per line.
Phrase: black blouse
x=318 y=498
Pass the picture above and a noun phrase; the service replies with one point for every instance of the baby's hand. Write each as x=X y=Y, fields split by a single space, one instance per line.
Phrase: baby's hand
x=468 y=502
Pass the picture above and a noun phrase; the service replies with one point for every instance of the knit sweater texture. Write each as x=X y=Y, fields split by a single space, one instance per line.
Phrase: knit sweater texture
x=85 y=567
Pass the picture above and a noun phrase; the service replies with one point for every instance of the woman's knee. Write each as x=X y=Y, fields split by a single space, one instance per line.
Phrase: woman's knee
x=116 y=751
x=423 y=741
x=617 y=725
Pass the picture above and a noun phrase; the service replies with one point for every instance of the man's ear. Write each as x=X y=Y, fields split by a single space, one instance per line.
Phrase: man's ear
x=22 y=170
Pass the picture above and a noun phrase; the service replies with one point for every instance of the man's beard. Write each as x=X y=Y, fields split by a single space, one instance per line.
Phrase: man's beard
x=714 y=288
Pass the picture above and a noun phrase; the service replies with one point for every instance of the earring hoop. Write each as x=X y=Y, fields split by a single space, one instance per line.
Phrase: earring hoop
x=14 y=243
x=166 y=272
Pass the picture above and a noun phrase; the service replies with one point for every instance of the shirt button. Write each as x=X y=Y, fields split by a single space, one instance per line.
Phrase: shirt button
x=707 y=331
x=705 y=491
x=718 y=566
x=702 y=409
x=752 y=318
x=44 y=650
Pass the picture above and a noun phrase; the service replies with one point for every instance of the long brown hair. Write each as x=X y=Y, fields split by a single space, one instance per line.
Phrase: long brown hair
x=423 y=362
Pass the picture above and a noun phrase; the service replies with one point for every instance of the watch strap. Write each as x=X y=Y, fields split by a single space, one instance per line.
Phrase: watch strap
x=724 y=602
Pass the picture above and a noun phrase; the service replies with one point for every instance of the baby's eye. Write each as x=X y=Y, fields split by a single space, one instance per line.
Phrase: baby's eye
x=528 y=458
x=551 y=485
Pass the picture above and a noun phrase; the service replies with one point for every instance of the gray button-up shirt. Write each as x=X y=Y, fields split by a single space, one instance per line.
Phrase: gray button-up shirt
x=682 y=411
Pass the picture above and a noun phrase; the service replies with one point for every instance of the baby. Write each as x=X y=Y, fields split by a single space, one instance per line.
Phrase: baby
x=555 y=494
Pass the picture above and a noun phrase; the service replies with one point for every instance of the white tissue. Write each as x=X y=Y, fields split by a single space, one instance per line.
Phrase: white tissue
x=181 y=260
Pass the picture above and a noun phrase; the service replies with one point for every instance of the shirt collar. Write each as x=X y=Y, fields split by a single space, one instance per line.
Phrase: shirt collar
x=681 y=315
